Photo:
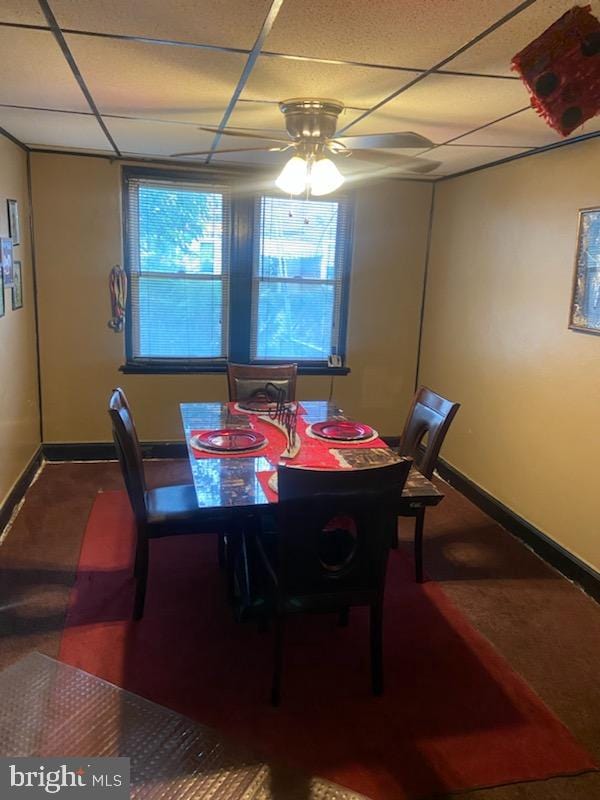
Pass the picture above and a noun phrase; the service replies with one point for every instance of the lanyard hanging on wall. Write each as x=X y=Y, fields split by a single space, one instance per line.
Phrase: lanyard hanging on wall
x=117 y=283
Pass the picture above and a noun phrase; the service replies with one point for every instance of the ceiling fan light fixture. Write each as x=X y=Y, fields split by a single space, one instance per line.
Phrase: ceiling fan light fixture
x=325 y=177
x=318 y=177
x=293 y=178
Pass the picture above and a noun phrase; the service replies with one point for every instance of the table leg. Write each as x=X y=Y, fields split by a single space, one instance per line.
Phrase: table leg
x=419 y=525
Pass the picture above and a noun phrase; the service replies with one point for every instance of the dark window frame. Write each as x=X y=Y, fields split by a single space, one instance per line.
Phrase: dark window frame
x=240 y=278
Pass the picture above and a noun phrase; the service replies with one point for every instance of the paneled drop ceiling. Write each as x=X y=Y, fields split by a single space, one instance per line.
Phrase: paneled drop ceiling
x=136 y=77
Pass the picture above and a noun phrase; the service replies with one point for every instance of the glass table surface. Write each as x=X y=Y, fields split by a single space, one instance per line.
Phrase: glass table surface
x=233 y=482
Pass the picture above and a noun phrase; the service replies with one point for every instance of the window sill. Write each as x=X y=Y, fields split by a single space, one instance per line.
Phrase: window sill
x=177 y=369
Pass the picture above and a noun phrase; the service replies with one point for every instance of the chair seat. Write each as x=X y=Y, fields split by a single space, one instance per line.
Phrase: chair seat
x=171 y=503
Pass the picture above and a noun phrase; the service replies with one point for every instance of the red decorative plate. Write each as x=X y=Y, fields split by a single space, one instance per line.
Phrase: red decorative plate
x=342 y=430
x=229 y=440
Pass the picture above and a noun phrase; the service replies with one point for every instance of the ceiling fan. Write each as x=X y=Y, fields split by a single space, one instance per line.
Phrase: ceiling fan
x=311 y=125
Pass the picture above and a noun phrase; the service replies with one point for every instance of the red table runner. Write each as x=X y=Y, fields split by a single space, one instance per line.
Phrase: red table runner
x=263 y=479
x=313 y=452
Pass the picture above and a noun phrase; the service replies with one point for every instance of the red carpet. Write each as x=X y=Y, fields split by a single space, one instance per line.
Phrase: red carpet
x=454 y=715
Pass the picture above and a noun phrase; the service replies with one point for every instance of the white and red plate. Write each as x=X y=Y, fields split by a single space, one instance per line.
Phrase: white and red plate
x=229 y=440
x=339 y=430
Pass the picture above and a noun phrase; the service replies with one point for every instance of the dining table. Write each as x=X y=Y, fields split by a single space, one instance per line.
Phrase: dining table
x=237 y=484
x=234 y=481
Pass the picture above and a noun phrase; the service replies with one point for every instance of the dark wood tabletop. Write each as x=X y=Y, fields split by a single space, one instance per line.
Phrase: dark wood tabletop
x=233 y=482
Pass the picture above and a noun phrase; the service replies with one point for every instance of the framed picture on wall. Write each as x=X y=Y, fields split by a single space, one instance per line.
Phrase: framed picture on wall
x=2 y=306
x=14 y=230
x=585 y=302
x=6 y=259
x=17 y=287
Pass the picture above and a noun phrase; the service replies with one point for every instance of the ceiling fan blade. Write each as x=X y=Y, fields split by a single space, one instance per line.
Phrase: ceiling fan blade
x=395 y=162
x=234 y=150
x=245 y=134
x=422 y=165
x=391 y=140
x=384 y=159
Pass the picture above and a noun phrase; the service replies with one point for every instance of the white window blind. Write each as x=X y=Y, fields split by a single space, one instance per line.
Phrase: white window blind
x=298 y=273
x=178 y=240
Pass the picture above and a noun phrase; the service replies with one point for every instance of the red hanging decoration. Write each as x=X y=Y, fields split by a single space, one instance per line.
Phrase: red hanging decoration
x=561 y=69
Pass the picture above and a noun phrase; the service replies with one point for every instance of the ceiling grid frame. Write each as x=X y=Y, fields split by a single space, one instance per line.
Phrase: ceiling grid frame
x=245 y=51
x=62 y=43
x=475 y=40
x=14 y=140
x=253 y=54
x=249 y=66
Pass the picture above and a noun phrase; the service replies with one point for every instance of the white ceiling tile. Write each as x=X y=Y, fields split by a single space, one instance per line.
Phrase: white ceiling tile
x=401 y=33
x=527 y=129
x=258 y=115
x=281 y=79
x=54 y=129
x=35 y=73
x=456 y=158
x=156 y=138
x=273 y=160
x=494 y=53
x=444 y=106
x=159 y=81
x=229 y=23
x=23 y=12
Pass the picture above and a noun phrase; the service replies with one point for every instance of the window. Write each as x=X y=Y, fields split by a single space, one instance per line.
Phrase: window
x=178 y=247
x=297 y=279
x=215 y=277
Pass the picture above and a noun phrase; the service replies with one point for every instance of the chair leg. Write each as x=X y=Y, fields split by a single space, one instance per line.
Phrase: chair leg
x=277 y=661
x=376 y=633
x=263 y=623
x=141 y=573
x=232 y=549
x=394 y=542
x=343 y=617
x=419 y=525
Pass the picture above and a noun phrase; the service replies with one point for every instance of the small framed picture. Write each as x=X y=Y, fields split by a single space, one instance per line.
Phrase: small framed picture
x=585 y=302
x=6 y=259
x=2 y=306
x=14 y=231
x=17 y=287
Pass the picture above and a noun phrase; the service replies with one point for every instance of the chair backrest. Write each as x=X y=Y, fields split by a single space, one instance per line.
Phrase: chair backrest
x=247 y=382
x=335 y=529
x=431 y=415
x=129 y=452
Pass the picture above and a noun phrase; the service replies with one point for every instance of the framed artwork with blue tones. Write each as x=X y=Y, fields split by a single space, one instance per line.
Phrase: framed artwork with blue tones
x=17 y=287
x=14 y=229
x=585 y=304
x=2 y=306
x=6 y=260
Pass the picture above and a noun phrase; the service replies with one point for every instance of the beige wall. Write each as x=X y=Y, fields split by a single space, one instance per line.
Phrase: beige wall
x=19 y=415
x=78 y=239
x=496 y=339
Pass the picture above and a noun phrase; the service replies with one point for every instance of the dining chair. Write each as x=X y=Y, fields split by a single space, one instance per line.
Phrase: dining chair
x=248 y=381
x=162 y=511
x=429 y=419
x=330 y=548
